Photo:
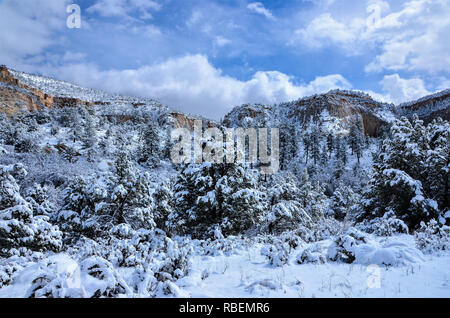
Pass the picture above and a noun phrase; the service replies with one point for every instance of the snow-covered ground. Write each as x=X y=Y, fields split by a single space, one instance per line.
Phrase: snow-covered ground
x=238 y=269
x=248 y=275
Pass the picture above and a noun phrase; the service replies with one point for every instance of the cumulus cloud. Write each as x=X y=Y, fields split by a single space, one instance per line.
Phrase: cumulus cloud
x=325 y=30
x=399 y=90
x=27 y=27
x=124 y=8
x=259 y=8
x=192 y=84
x=413 y=38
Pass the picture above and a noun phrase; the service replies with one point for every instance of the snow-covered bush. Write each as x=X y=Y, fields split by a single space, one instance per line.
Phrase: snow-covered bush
x=404 y=180
x=101 y=279
x=432 y=237
x=277 y=254
x=320 y=231
x=221 y=246
x=56 y=277
x=344 y=202
x=312 y=254
x=285 y=209
x=342 y=249
x=38 y=197
x=360 y=248
x=387 y=225
x=6 y=273
x=25 y=145
x=18 y=226
x=210 y=195
x=176 y=262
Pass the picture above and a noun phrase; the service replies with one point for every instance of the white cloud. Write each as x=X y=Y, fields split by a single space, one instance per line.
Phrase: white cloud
x=413 y=38
x=322 y=3
x=27 y=27
x=222 y=41
x=192 y=84
x=399 y=90
x=123 y=8
x=325 y=30
x=259 y=8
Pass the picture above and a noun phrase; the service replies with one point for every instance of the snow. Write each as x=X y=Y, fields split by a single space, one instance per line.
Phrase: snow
x=248 y=274
x=403 y=272
x=130 y=262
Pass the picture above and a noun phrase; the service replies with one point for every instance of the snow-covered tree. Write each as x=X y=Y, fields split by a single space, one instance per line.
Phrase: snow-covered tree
x=312 y=198
x=330 y=144
x=210 y=195
x=401 y=174
x=356 y=138
x=285 y=210
x=150 y=152
x=131 y=200
x=163 y=198
x=18 y=226
x=288 y=144
x=344 y=202
x=315 y=143
x=38 y=197
x=438 y=163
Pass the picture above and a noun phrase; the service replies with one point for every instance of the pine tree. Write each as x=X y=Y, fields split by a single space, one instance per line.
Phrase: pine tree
x=401 y=175
x=150 y=147
x=131 y=201
x=89 y=136
x=330 y=144
x=356 y=138
x=438 y=163
x=18 y=226
x=288 y=144
x=163 y=198
x=312 y=198
x=315 y=144
x=307 y=142
x=344 y=202
x=341 y=151
x=85 y=205
x=285 y=209
x=208 y=196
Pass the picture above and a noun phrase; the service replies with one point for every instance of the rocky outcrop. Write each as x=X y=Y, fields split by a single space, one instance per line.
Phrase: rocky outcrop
x=16 y=97
x=343 y=106
x=429 y=107
x=347 y=106
x=181 y=120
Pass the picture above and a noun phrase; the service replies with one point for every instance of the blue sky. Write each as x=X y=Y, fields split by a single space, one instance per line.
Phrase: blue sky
x=207 y=56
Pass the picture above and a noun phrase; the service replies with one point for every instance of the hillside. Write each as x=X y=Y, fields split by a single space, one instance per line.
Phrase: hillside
x=335 y=110
x=92 y=203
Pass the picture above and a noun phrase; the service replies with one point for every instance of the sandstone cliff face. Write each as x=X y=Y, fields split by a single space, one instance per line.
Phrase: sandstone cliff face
x=17 y=97
x=429 y=107
x=339 y=107
x=345 y=105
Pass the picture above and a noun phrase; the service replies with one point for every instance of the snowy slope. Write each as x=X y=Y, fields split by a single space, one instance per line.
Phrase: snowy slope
x=244 y=272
